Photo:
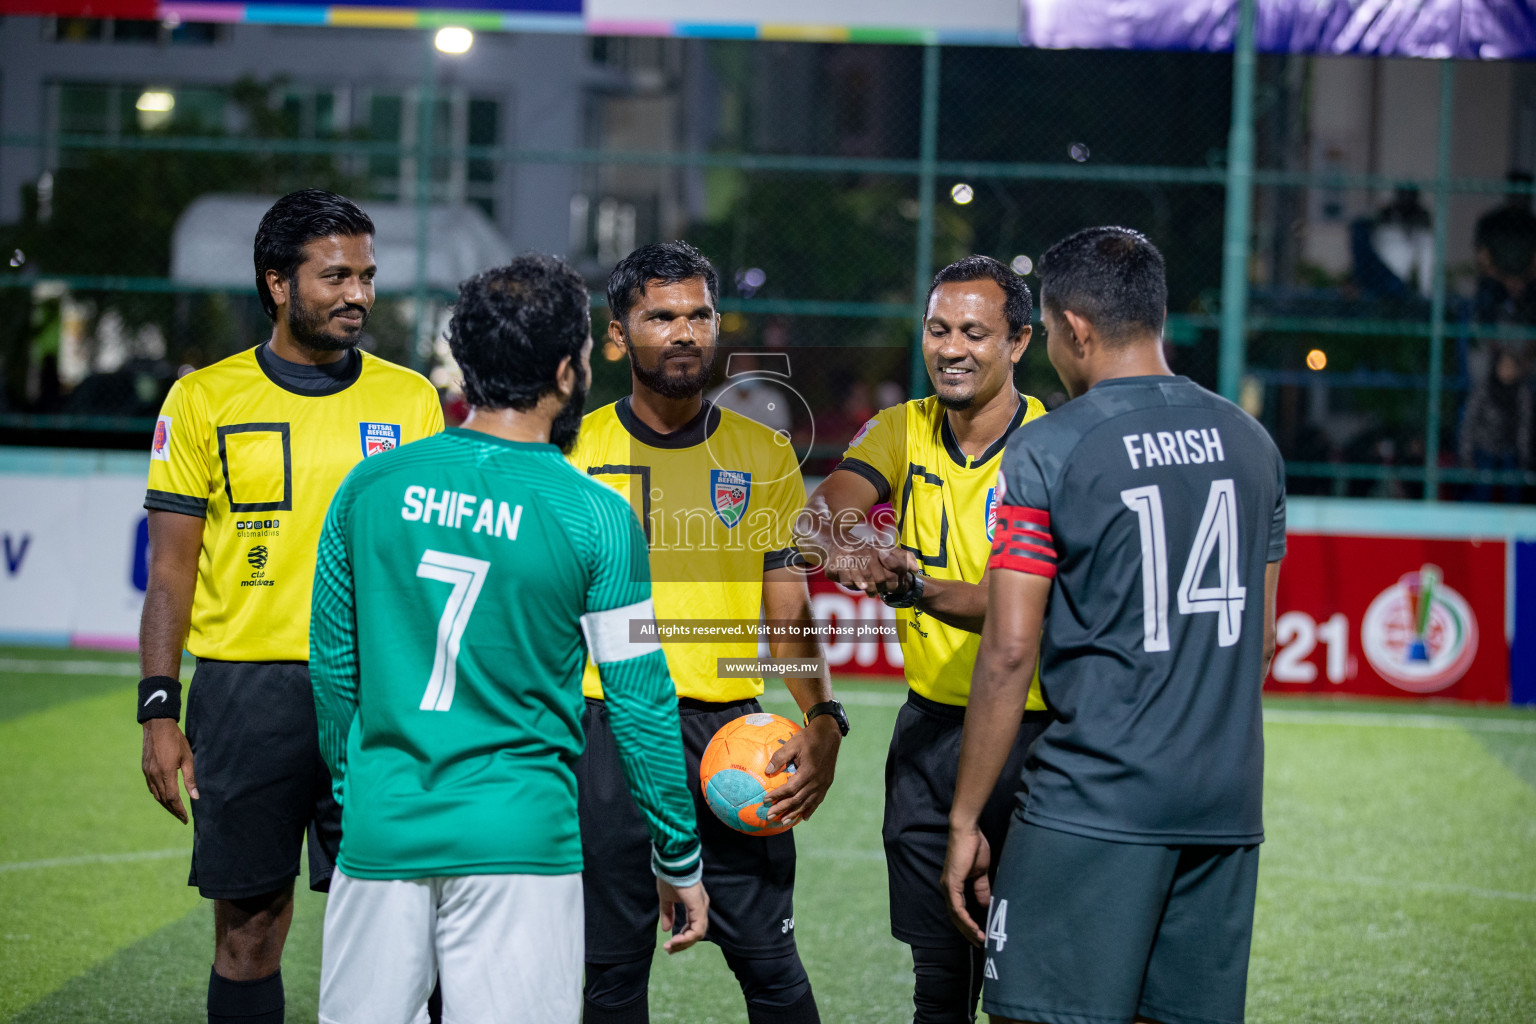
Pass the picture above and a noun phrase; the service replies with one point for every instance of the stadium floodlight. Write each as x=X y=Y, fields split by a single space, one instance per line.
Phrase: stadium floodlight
x=156 y=101
x=1317 y=359
x=454 y=39
x=962 y=193
x=1022 y=264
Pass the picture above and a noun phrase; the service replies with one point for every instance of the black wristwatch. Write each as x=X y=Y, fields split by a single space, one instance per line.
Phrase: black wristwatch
x=829 y=707
x=907 y=596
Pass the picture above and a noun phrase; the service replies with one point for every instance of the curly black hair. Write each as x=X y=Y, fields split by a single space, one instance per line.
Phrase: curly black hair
x=511 y=327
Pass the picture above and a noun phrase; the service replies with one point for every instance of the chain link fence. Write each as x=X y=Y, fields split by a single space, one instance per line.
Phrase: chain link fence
x=1388 y=338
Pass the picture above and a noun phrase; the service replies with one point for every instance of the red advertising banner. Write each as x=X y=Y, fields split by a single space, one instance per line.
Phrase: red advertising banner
x=1392 y=617
x=855 y=657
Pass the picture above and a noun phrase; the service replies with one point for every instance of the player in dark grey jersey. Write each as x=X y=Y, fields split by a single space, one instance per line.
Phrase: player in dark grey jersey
x=1143 y=525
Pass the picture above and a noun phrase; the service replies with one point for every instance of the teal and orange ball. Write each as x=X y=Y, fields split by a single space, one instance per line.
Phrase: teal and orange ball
x=733 y=773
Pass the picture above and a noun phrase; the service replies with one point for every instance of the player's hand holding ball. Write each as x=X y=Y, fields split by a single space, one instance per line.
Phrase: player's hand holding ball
x=762 y=774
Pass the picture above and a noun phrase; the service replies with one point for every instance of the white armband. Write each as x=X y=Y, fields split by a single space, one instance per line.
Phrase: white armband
x=608 y=635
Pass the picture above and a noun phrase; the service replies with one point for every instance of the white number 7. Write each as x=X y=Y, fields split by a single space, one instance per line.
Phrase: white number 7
x=1217 y=535
x=467 y=576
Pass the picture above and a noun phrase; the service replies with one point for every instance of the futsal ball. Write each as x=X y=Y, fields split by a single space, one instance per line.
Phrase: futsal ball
x=734 y=772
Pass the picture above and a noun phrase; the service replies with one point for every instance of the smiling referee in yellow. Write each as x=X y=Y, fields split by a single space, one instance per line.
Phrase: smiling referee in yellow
x=246 y=456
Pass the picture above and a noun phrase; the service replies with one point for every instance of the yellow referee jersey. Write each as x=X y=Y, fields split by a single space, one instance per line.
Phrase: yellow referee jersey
x=718 y=499
x=946 y=511
x=259 y=463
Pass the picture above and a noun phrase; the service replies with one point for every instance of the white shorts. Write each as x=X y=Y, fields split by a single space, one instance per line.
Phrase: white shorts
x=507 y=947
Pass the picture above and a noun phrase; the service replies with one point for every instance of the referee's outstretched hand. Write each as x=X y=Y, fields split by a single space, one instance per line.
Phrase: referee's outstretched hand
x=166 y=752
x=695 y=907
x=966 y=862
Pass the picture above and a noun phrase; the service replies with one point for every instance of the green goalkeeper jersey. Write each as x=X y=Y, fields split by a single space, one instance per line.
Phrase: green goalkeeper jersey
x=461 y=582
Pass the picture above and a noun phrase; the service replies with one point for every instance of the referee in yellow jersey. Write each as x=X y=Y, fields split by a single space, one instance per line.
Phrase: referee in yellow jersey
x=717 y=494
x=936 y=461
x=246 y=456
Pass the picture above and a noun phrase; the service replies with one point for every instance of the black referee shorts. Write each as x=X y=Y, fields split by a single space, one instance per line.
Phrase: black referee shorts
x=260 y=778
x=750 y=879
x=920 y=776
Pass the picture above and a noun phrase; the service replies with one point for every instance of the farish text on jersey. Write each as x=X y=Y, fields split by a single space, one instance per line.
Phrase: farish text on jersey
x=452 y=508
x=1174 y=448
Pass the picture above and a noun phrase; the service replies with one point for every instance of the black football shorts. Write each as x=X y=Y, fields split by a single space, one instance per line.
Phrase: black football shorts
x=1083 y=929
x=920 y=773
x=750 y=879
x=260 y=778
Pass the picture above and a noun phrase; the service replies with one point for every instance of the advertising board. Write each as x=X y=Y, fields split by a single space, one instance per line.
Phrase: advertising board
x=1392 y=616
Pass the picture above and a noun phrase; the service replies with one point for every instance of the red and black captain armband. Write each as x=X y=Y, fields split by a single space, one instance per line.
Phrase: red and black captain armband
x=1022 y=541
x=159 y=697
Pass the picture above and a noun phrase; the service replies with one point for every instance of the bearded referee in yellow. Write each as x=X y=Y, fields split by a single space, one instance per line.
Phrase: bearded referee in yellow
x=936 y=461
x=246 y=456
x=717 y=494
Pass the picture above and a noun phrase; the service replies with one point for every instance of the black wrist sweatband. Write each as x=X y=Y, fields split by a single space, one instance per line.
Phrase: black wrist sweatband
x=159 y=697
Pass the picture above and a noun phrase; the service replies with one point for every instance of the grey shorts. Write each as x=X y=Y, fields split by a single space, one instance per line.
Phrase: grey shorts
x=1088 y=931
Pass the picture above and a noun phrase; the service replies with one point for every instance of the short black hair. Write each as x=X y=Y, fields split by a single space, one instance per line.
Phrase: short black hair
x=668 y=262
x=1113 y=276
x=1509 y=235
x=292 y=223
x=1018 y=307
x=511 y=327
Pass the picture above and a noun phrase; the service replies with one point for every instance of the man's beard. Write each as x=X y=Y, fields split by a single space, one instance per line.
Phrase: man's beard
x=956 y=404
x=668 y=386
x=307 y=325
x=567 y=422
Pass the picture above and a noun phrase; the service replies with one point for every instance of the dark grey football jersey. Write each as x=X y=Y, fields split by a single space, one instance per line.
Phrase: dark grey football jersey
x=1154 y=504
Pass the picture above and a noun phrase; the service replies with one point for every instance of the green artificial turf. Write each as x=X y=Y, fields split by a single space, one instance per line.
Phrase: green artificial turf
x=1398 y=882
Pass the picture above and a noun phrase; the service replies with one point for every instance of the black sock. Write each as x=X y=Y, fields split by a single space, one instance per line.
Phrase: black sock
x=617 y=993
x=245 y=1002
x=637 y=1011
x=801 y=1011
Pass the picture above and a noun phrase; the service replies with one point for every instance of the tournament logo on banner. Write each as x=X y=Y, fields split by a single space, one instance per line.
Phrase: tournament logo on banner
x=991 y=512
x=379 y=437
x=729 y=493
x=1419 y=634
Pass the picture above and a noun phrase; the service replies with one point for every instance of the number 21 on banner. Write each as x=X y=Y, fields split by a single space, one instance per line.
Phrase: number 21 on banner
x=1297 y=635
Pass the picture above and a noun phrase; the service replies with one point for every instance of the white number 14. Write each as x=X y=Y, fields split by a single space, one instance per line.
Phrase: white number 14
x=1217 y=536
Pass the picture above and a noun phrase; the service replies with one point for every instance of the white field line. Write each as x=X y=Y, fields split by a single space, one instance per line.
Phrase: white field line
x=1298 y=716
x=1378 y=882
x=94 y=858
x=69 y=668
x=1278 y=716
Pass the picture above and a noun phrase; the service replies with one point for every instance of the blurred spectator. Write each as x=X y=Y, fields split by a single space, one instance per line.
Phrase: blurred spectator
x=1496 y=427
x=837 y=425
x=889 y=393
x=1394 y=251
x=1505 y=244
x=748 y=390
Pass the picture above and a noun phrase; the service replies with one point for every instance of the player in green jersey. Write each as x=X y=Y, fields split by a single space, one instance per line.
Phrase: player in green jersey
x=461 y=583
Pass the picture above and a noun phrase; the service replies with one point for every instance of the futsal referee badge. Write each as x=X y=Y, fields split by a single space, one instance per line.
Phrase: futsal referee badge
x=730 y=491
x=379 y=437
